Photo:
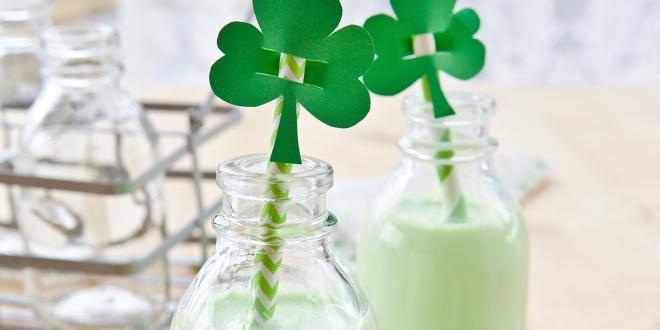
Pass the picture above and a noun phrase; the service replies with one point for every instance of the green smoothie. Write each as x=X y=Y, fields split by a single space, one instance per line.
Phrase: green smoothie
x=231 y=312
x=423 y=272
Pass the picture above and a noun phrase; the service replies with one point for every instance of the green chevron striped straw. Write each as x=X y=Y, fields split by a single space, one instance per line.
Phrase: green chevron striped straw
x=273 y=215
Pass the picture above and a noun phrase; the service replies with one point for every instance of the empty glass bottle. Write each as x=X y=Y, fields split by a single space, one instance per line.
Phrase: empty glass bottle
x=83 y=126
x=314 y=292
x=21 y=25
x=444 y=246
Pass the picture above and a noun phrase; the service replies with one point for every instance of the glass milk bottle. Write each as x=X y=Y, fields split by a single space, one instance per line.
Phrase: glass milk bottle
x=83 y=126
x=21 y=24
x=311 y=290
x=444 y=247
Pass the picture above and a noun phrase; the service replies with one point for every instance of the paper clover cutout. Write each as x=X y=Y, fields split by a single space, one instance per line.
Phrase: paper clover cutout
x=399 y=63
x=248 y=73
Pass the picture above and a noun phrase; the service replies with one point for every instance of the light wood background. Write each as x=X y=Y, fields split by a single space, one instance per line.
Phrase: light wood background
x=70 y=10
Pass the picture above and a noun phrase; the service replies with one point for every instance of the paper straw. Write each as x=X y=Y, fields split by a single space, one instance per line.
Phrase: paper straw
x=273 y=215
x=449 y=179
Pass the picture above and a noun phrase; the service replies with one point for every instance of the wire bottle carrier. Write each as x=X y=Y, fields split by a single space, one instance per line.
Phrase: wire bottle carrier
x=205 y=122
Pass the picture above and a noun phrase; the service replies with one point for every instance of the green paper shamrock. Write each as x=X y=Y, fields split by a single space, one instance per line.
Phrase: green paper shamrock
x=397 y=65
x=248 y=74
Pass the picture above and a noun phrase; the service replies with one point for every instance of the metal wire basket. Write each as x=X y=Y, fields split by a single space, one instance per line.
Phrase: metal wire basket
x=205 y=122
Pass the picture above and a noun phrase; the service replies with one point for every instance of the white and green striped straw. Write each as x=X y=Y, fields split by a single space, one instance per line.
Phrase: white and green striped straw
x=424 y=45
x=446 y=173
x=273 y=215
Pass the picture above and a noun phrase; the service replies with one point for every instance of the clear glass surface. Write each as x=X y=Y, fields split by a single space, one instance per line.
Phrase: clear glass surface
x=83 y=126
x=314 y=291
x=444 y=246
x=21 y=24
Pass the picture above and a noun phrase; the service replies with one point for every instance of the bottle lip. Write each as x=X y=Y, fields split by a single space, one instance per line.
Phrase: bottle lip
x=472 y=109
x=81 y=37
x=248 y=175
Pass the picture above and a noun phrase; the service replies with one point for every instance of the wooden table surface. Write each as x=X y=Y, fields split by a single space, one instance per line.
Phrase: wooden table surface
x=595 y=229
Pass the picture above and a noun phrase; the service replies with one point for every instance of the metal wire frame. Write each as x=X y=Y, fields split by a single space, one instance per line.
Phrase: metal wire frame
x=198 y=134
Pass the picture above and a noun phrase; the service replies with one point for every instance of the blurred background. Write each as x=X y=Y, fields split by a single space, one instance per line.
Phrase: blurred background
x=532 y=41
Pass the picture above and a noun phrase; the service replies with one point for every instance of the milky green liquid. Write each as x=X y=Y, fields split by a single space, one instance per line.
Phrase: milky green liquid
x=231 y=312
x=421 y=272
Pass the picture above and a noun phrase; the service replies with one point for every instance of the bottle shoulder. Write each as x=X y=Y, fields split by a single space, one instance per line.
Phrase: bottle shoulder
x=313 y=292
x=428 y=223
x=56 y=112
x=101 y=135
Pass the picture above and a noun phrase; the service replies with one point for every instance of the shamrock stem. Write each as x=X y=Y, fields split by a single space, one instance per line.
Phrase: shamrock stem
x=433 y=92
x=446 y=173
x=285 y=146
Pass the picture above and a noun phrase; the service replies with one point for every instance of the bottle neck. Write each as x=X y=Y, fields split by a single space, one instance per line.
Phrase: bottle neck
x=446 y=161
x=460 y=140
x=258 y=203
x=21 y=24
x=82 y=57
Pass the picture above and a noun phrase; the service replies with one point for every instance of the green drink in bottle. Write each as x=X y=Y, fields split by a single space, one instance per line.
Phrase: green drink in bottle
x=426 y=266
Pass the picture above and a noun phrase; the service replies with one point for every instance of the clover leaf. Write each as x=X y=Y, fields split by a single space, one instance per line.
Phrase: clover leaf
x=398 y=66
x=248 y=73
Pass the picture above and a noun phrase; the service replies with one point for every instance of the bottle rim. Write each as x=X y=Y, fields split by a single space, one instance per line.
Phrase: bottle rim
x=312 y=177
x=471 y=109
x=81 y=37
